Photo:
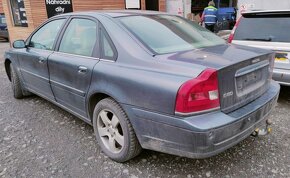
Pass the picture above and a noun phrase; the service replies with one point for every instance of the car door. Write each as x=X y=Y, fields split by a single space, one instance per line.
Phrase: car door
x=33 y=59
x=71 y=66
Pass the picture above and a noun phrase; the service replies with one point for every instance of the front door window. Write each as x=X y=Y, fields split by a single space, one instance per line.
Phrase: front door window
x=45 y=37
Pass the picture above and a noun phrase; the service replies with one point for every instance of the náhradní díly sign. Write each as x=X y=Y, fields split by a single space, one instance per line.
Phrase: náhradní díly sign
x=56 y=7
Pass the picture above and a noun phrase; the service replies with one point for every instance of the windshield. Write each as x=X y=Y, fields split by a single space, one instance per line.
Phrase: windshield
x=166 y=34
x=275 y=29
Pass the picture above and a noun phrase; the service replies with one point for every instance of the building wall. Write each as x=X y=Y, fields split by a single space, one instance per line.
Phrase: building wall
x=162 y=5
x=81 y=5
x=18 y=32
x=1 y=7
x=36 y=13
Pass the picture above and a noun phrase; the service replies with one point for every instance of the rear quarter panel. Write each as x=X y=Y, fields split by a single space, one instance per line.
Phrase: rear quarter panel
x=137 y=78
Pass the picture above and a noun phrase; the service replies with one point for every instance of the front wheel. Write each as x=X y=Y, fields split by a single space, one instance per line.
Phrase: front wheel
x=15 y=83
x=114 y=131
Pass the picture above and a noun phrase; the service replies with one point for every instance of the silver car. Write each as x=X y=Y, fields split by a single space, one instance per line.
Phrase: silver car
x=268 y=30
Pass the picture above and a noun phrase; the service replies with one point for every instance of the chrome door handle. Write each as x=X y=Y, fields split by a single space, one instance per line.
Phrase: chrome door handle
x=41 y=59
x=82 y=69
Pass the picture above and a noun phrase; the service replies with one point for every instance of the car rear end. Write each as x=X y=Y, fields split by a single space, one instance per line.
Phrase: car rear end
x=223 y=93
x=214 y=111
x=268 y=30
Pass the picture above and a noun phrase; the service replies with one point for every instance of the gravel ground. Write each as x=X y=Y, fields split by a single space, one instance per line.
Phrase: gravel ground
x=38 y=139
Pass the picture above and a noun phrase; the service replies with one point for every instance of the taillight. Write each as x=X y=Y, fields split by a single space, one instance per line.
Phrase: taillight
x=231 y=37
x=198 y=95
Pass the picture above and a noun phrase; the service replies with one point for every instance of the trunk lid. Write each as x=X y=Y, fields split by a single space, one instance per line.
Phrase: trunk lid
x=243 y=72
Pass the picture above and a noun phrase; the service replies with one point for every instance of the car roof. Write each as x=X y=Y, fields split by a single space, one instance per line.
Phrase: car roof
x=266 y=13
x=115 y=13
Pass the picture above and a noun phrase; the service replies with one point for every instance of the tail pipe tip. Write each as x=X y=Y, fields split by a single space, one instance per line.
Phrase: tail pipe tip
x=263 y=131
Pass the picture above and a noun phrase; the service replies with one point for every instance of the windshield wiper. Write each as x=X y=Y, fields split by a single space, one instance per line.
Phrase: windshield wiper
x=258 y=39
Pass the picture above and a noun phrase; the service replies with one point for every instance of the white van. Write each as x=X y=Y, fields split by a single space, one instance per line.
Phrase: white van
x=268 y=30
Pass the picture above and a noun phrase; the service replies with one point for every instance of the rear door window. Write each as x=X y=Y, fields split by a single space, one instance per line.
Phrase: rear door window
x=274 y=29
x=80 y=37
x=108 y=50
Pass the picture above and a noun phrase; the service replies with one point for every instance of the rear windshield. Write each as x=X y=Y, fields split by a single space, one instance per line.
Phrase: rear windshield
x=166 y=34
x=275 y=29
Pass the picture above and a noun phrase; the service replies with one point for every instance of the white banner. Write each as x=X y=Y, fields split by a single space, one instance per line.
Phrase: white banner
x=132 y=4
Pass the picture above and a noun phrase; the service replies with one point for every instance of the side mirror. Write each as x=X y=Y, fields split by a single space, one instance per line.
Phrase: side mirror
x=19 y=44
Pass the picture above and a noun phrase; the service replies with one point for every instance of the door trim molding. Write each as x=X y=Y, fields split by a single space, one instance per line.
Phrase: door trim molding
x=61 y=106
x=68 y=88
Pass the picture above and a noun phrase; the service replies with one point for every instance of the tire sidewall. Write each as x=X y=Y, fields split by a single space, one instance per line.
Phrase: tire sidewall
x=117 y=110
x=12 y=74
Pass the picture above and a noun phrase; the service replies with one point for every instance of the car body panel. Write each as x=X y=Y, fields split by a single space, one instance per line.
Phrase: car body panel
x=34 y=70
x=70 y=78
x=217 y=57
x=204 y=135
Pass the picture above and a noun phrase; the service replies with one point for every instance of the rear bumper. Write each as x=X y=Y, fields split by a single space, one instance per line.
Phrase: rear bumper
x=282 y=76
x=4 y=34
x=203 y=135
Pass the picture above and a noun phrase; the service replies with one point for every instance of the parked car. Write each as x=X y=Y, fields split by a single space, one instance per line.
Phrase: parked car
x=224 y=34
x=268 y=30
x=3 y=28
x=176 y=88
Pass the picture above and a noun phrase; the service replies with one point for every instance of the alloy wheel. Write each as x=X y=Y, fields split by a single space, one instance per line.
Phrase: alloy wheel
x=110 y=131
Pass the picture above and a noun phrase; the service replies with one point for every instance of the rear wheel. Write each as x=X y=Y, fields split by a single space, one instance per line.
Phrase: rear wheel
x=114 y=131
x=15 y=83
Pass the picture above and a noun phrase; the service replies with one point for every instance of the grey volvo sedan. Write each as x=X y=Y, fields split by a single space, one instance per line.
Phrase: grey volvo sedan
x=147 y=80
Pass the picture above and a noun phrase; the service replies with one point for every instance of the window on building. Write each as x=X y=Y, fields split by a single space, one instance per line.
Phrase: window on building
x=80 y=37
x=45 y=37
x=226 y=3
x=18 y=13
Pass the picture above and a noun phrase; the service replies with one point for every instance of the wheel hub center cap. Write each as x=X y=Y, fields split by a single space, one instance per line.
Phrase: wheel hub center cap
x=111 y=131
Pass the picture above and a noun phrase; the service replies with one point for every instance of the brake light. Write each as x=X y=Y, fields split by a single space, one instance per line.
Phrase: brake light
x=231 y=37
x=198 y=95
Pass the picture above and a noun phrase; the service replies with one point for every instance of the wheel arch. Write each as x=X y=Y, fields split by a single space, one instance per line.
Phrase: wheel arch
x=94 y=99
x=7 y=68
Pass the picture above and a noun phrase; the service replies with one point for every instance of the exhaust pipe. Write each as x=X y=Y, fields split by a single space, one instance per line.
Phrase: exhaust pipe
x=263 y=131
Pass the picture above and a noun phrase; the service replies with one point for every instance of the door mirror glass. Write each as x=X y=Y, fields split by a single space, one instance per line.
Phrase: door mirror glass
x=19 y=44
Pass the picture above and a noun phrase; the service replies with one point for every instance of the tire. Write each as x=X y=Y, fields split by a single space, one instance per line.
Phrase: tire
x=15 y=83
x=114 y=131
